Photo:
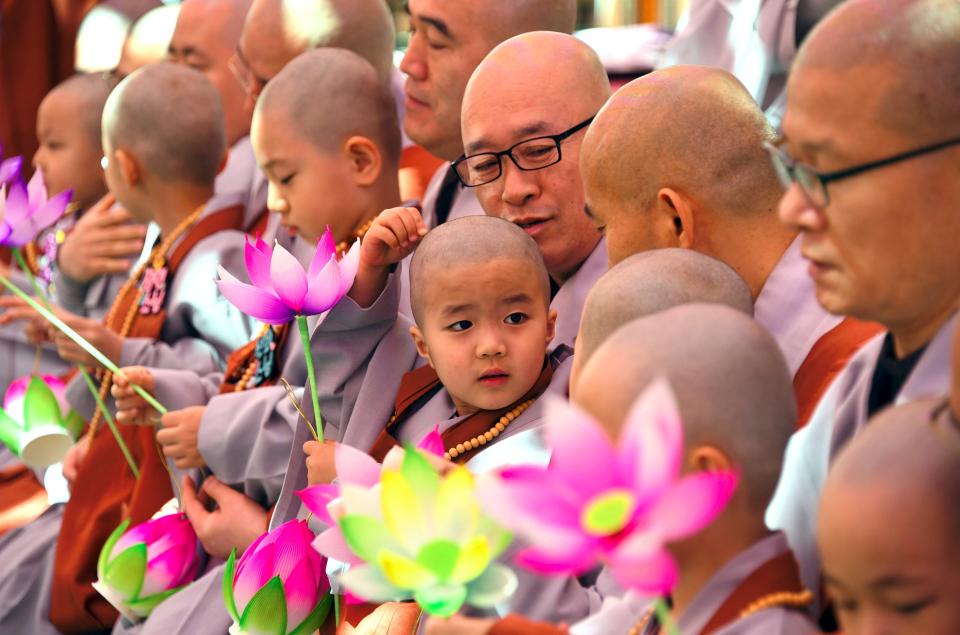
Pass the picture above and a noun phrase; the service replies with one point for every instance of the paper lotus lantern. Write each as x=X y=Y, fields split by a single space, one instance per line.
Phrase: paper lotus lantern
x=140 y=568
x=600 y=504
x=35 y=423
x=423 y=536
x=279 y=586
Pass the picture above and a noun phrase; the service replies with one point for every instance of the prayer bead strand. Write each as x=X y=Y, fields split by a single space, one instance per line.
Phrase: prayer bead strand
x=488 y=436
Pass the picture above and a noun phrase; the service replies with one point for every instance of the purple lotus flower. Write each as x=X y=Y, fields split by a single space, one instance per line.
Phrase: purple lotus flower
x=9 y=168
x=597 y=504
x=279 y=586
x=142 y=567
x=281 y=289
x=25 y=210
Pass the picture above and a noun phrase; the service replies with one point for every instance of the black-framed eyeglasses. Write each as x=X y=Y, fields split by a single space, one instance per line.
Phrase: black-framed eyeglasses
x=814 y=183
x=527 y=155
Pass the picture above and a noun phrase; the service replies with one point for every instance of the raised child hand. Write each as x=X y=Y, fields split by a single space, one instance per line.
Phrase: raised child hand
x=321 y=468
x=132 y=409
x=179 y=437
x=393 y=236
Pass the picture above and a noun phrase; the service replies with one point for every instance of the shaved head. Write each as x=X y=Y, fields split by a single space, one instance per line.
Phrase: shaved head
x=732 y=385
x=276 y=31
x=468 y=241
x=169 y=118
x=690 y=128
x=655 y=281
x=329 y=95
x=503 y=20
x=914 y=44
x=87 y=93
x=148 y=39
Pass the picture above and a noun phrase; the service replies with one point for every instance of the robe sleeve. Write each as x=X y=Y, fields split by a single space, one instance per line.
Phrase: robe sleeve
x=178 y=389
x=71 y=294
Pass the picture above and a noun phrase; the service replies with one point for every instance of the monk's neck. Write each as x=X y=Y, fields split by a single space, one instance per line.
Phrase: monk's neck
x=385 y=195
x=755 y=254
x=701 y=557
x=172 y=207
x=910 y=336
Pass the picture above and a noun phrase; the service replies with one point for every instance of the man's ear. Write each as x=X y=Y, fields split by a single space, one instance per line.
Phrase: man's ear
x=421 y=345
x=708 y=458
x=677 y=209
x=366 y=162
x=129 y=167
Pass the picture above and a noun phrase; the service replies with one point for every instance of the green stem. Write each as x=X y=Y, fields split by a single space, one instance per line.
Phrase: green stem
x=107 y=363
x=317 y=427
x=109 y=419
x=664 y=617
x=33 y=280
x=336 y=611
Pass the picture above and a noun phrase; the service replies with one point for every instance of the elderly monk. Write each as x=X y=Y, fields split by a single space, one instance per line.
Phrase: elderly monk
x=879 y=236
x=713 y=190
x=162 y=169
x=888 y=524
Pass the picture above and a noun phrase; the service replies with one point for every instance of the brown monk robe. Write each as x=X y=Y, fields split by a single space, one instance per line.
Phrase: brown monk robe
x=105 y=491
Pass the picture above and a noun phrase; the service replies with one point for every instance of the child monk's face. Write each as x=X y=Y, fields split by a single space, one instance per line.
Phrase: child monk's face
x=69 y=154
x=485 y=329
x=891 y=562
x=308 y=188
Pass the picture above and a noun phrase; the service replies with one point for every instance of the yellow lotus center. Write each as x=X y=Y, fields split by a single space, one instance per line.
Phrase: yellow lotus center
x=608 y=513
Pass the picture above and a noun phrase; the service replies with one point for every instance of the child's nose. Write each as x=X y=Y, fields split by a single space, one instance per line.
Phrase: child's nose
x=491 y=345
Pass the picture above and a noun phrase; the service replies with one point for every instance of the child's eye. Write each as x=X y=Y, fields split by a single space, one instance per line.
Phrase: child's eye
x=516 y=318
x=286 y=180
x=461 y=325
x=909 y=608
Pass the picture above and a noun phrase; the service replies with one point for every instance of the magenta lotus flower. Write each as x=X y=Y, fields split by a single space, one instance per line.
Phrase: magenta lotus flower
x=9 y=168
x=599 y=504
x=281 y=289
x=279 y=586
x=25 y=210
x=140 y=568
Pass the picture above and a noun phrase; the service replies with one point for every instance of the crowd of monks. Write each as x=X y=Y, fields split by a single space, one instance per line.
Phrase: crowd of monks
x=524 y=232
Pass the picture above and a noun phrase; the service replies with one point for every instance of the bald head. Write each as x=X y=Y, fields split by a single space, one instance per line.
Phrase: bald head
x=329 y=95
x=693 y=129
x=468 y=241
x=276 y=31
x=503 y=20
x=655 y=281
x=915 y=44
x=732 y=385
x=87 y=93
x=169 y=118
x=148 y=39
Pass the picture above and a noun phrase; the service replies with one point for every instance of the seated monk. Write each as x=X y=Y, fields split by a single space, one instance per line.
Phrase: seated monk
x=162 y=169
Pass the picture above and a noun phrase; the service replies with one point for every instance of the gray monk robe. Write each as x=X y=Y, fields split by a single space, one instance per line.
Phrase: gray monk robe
x=28 y=553
x=765 y=568
x=873 y=374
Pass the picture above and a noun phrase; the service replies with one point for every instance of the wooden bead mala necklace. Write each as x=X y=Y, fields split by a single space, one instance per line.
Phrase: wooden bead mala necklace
x=489 y=435
x=158 y=260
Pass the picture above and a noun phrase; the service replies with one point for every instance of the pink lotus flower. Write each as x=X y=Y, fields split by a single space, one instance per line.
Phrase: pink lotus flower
x=17 y=393
x=142 y=567
x=598 y=504
x=279 y=586
x=281 y=289
x=9 y=168
x=25 y=210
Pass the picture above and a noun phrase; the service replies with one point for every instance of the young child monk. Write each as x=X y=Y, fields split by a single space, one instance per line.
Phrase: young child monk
x=325 y=114
x=889 y=526
x=161 y=168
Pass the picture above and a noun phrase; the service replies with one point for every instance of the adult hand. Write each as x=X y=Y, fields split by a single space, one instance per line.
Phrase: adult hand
x=458 y=625
x=13 y=309
x=321 y=468
x=234 y=524
x=394 y=235
x=132 y=409
x=102 y=338
x=179 y=437
x=74 y=458
x=103 y=241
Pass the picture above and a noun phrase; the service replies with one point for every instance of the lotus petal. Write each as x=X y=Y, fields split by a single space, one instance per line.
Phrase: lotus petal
x=124 y=574
x=403 y=512
x=365 y=536
x=433 y=442
x=653 y=439
x=166 y=570
x=288 y=277
x=348 y=268
x=256 y=255
x=324 y=291
x=495 y=585
x=656 y=574
x=252 y=301
x=266 y=614
x=326 y=249
x=302 y=590
x=333 y=545
x=366 y=581
x=36 y=190
x=10 y=169
x=441 y=600
x=692 y=503
x=472 y=560
x=578 y=559
x=356 y=467
x=317 y=497
x=582 y=454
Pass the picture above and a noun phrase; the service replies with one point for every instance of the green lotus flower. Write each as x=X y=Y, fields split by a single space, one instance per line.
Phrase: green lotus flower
x=34 y=422
x=423 y=536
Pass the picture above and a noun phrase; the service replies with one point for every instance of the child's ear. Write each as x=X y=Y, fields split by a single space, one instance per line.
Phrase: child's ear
x=365 y=159
x=677 y=210
x=421 y=345
x=551 y=325
x=129 y=168
x=708 y=458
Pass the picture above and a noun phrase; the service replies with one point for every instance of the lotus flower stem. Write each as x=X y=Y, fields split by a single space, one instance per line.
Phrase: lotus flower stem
x=317 y=427
x=664 y=618
x=49 y=316
x=33 y=280
x=109 y=419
